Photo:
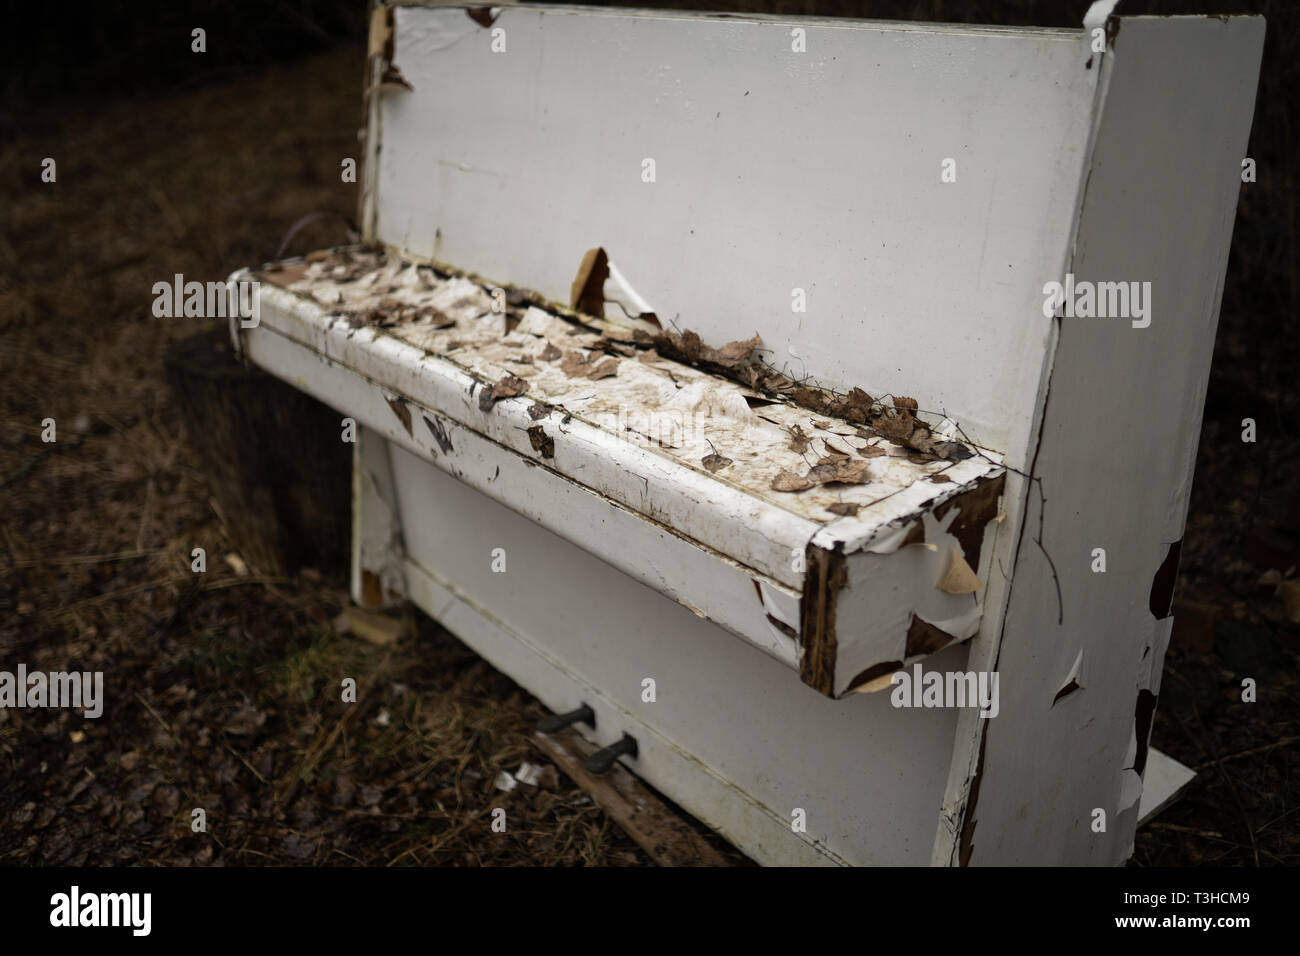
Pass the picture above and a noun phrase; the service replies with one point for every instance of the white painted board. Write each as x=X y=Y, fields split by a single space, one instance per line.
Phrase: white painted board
x=1115 y=456
x=775 y=170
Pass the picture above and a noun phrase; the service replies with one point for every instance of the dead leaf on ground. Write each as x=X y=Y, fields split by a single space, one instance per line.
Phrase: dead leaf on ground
x=246 y=720
x=715 y=462
x=548 y=778
x=1289 y=593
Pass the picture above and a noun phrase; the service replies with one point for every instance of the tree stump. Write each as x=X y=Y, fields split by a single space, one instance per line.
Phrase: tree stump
x=278 y=468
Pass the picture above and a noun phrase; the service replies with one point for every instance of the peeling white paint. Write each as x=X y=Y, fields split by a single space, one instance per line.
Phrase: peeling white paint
x=662 y=409
x=1075 y=676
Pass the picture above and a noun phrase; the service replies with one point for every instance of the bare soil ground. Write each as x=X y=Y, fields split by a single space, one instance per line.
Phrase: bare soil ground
x=222 y=686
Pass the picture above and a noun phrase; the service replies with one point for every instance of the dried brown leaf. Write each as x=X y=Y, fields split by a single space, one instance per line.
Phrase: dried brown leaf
x=789 y=481
x=775 y=383
x=812 y=398
x=920 y=441
x=840 y=471
x=952 y=451
x=608 y=343
x=575 y=364
x=541 y=441
x=507 y=387
x=857 y=398
x=692 y=346
x=734 y=354
x=897 y=428
x=603 y=369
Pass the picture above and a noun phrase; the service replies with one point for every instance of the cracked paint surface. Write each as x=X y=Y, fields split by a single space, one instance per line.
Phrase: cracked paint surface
x=671 y=408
